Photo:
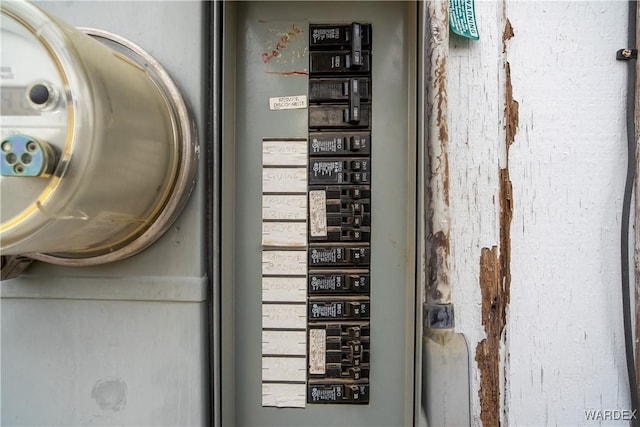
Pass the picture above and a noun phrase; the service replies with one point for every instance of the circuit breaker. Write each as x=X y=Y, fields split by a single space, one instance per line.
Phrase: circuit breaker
x=340 y=149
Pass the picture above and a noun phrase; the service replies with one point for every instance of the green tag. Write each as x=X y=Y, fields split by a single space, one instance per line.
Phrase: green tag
x=462 y=18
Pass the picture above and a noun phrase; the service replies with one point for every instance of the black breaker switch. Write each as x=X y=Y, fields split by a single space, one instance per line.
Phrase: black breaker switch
x=354 y=101
x=339 y=143
x=355 y=373
x=323 y=36
x=338 y=393
x=343 y=89
x=340 y=48
x=352 y=90
x=355 y=353
x=354 y=332
x=327 y=171
x=346 y=351
x=322 y=283
x=338 y=256
x=338 y=62
x=356 y=44
x=339 y=168
x=338 y=310
x=346 y=193
x=339 y=116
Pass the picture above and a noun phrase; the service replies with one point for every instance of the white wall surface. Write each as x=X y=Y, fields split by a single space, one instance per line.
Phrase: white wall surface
x=562 y=347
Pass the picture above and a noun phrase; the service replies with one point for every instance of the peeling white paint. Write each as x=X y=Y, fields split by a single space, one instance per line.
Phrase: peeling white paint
x=564 y=328
x=476 y=104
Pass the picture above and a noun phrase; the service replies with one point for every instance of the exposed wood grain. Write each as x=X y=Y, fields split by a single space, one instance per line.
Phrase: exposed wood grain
x=495 y=272
x=488 y=349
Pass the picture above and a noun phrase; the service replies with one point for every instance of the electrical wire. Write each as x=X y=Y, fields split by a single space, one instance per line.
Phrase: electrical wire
x=626 y=212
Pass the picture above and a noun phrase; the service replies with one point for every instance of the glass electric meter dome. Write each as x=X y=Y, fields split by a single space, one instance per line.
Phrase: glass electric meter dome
x=98 y=149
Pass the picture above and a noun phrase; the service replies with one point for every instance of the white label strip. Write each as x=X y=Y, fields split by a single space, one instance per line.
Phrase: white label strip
x=284 y=207
x=284 y=266
x=284 y=369
x=288 y=102
x=318 y=213
x=287 y=263
x=291 y=343
x=284 y=152
x=288 y=234
x=286 y=289
x=284 y=395
x=284 y=180
x=284 y=316
x=317 y=351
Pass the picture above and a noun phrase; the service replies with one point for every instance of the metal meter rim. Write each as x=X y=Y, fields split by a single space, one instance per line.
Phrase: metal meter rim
x=188 y=155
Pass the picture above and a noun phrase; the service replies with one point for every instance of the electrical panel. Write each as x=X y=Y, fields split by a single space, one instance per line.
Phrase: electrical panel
x=339 y=280
x=320 y=109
